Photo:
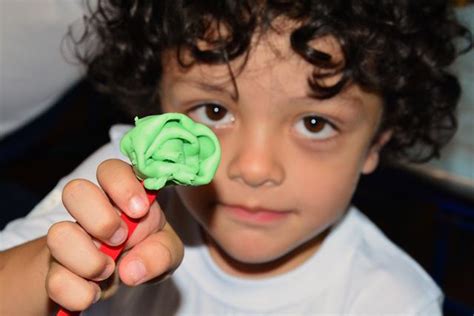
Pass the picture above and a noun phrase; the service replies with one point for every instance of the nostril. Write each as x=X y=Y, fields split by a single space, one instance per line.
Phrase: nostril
x=256 y=170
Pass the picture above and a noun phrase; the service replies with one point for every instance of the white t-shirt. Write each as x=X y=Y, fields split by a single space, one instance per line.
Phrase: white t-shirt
x=357 y=271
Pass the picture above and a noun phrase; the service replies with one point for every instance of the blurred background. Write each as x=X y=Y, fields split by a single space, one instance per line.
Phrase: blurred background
x=51 y=120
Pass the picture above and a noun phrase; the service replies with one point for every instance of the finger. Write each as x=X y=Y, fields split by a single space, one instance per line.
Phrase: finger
x=69 y=290
x=89 y=205
x=122 y=186
x=152 y=222
x=70 y=245
x=158 y=254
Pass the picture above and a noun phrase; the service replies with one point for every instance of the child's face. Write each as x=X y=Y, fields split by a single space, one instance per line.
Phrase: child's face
x=290 y=163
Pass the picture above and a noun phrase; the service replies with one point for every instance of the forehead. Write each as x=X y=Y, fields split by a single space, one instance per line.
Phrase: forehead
x=271 y=64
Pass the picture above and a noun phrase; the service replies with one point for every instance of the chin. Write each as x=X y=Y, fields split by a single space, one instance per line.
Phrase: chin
x=252 y=250
x=256 y=253
x=254 y=256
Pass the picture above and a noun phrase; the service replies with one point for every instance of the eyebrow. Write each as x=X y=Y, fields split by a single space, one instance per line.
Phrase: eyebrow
x=347 y=105
x=209 y=87
x=343 y=101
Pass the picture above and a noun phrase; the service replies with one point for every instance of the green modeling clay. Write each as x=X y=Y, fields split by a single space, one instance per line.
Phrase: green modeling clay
x=171 y=148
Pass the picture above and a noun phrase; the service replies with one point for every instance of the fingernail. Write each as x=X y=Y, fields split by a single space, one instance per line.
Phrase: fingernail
x=109 y=269
x=97 y=296
x=119 y=236
x=137 y=205
x=137 y=271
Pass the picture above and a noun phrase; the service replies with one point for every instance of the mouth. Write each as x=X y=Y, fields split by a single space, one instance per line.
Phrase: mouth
x=254 y=214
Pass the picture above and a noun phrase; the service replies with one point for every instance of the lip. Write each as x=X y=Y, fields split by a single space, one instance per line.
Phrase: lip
x=258 y=215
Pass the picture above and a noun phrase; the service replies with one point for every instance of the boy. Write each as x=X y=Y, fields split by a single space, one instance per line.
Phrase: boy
x=303 y=96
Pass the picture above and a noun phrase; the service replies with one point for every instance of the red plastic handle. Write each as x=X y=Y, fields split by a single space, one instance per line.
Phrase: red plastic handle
x=115 y=251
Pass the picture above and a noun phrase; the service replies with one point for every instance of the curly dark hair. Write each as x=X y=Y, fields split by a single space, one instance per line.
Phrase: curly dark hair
x=399 y=49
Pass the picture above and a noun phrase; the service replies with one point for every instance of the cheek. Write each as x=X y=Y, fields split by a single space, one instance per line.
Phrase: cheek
x=329 y=191
x=325 y=183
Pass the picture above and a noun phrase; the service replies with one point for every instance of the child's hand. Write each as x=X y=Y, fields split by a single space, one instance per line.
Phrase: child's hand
x=153 y=249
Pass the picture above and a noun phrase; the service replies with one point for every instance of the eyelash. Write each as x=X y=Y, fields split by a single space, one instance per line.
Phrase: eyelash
x=302 y=129
x=203 y=108
x=199 y=111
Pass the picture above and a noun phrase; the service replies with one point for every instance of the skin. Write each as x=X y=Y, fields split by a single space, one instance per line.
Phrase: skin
x=153 y=249
x=303 y=175
x=269 y=159
x=67 y=258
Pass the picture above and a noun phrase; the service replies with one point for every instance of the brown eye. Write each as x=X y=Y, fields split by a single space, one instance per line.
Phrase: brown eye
x=314 y=124
x=212 y=114
x=315 y=127
x=215 y=112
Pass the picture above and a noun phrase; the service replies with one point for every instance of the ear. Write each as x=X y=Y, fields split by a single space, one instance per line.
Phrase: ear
x=373 y=155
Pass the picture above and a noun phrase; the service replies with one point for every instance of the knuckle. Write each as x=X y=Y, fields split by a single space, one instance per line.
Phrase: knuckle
x=168 y=262
x=104 y=166
x=106 y=227
x=80 y=305
x=83 y=299
x=58 y=284
x=176 y=246
x=167 y=257
x=95 y=268
x=57 y=232
x=158 y=217
x=101 y=167
x=164 y=255
x=74 y=192
x=89 y=297
x=72 y=188
x=55 y=284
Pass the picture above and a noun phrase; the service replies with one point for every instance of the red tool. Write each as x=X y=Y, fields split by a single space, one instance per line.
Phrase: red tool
x=115 y=251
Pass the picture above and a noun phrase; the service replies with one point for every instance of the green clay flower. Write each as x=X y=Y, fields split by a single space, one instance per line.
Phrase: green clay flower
x=171 y=148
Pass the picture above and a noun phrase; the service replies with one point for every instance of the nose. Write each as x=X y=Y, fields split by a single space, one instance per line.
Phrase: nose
x=256 y=161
